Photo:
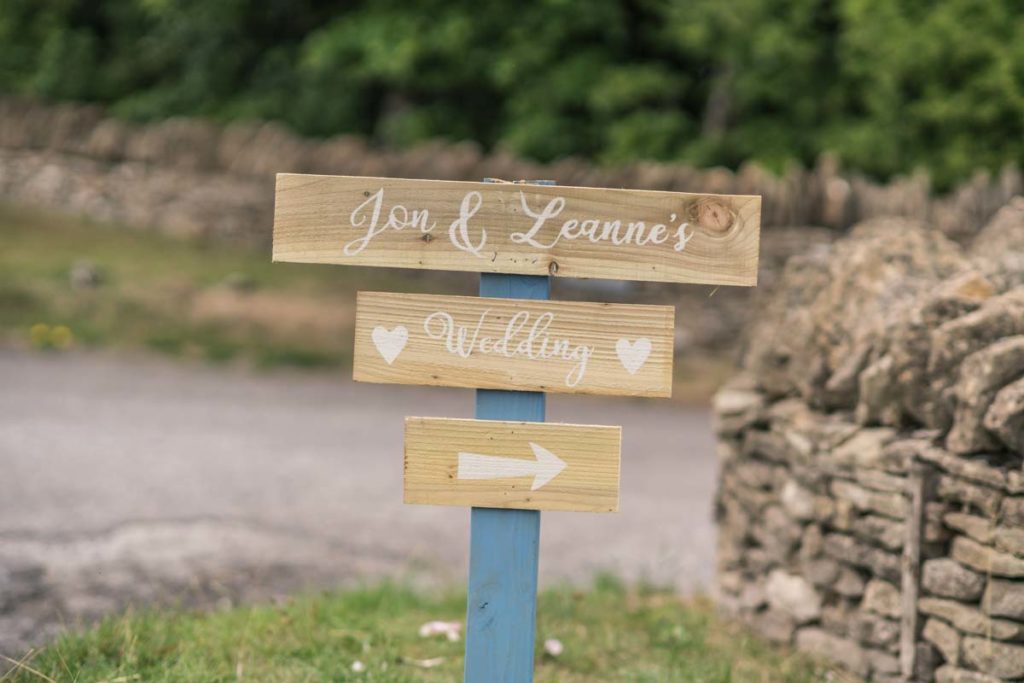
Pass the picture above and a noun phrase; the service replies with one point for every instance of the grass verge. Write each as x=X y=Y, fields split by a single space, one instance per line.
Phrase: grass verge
x=608 y=633
x=68 y=282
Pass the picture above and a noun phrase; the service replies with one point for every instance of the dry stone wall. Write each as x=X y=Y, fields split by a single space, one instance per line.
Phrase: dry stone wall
x=871 y=496
x=190 y=176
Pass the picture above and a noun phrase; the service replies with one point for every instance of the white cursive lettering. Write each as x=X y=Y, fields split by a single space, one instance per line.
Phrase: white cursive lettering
x=399 y=218
x=519 y=338
x=459 y=230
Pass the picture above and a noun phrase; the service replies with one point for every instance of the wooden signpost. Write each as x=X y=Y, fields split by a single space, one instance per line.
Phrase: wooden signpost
x=524 y=465
x=512 y=345
x=520 y=229
x=552 y=346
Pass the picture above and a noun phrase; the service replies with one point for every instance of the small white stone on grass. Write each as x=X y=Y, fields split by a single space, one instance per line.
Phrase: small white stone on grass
x=358 y=667
x=553 y=647
x=427 y=663
x=449 y=629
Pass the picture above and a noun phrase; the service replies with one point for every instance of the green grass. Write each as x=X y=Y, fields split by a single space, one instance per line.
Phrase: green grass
x=609 y=633
x=216 y=301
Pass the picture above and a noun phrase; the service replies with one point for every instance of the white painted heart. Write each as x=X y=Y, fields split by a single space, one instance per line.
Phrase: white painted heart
x=633 y=355
x=390 y=342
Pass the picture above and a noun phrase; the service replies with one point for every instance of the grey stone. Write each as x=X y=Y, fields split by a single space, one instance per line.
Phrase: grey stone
x=729 y=550
x=836 y=618
x=880 y=481
x=1003 y=234
x=882 y=598
x=824 y=508
x=889 y=504
x=879 y=397
x=751 y=499
x=752 y=596
x=985 y=559
x=769 y=445
x=945 y=638
x=972 y=469
x=1001 y=660
x=1012 y=511
x=844 y=514
x=874 y=630
x=822 y=572
x=951 y=674
x=952 y=341
x=797 y=501
x=849 y=584
x=734 y=521
x=727 y=451
x=733 y=401
x=885 y=532
x=849 y=654
x=106 y=141
x=754 y=473
x=1010 y=539
x=895 y=387
x=882 y=663
x=949 y=579
x=757 y=561
x=783 y=525
x=970 y=619
x=1004 y=599
x=774 y=625
x=867 y=448
x=1015 y=481
x=978 y=528
x=981 y=497
x=730 y=582
x=776 y=533
x=793 y=595
x=897 y=456
x=1005 y=416
x=847 y=549
x=982 y=375
x=812 y=542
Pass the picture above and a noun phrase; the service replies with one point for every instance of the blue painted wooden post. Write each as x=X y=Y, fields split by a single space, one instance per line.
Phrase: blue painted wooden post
x=501 y=613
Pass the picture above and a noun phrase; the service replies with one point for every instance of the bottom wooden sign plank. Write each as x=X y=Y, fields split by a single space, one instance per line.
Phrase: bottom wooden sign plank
x=522 y=465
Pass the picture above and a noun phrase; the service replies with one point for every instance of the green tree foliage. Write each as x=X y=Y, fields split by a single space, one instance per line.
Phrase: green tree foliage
x=889 y=85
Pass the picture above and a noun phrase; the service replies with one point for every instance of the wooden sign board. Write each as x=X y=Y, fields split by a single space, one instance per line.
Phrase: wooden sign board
x=518 y=229
x=522 y=465
x=520 y=344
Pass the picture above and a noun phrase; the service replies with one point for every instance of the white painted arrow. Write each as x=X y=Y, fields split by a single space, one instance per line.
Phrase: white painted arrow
x=543 y=469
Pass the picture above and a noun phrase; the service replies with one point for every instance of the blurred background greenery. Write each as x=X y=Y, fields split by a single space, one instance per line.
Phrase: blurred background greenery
x=890 y=86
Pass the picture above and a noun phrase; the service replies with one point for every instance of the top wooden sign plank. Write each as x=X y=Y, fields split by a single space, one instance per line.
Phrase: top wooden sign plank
x=520 y=229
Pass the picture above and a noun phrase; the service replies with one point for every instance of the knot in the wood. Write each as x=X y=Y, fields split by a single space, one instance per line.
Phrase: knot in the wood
x=553 y=268
x=713 y=215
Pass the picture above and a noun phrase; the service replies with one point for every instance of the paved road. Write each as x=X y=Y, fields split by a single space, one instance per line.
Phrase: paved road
x=125 y=480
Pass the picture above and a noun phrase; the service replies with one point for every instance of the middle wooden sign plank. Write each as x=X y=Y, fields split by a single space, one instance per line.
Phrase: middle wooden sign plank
x=518 y=344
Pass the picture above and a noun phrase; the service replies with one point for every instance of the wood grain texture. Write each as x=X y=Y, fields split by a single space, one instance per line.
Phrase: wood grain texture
x=353 y=220
x=552 y=346
x=589 y=482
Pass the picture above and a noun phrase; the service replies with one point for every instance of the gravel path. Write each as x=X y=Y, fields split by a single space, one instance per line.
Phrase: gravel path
x=142 y=480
